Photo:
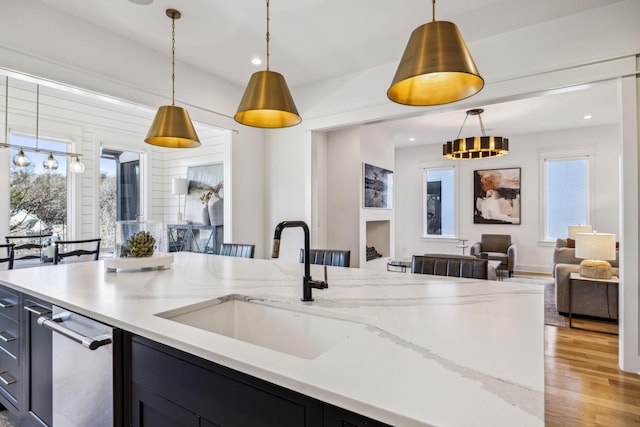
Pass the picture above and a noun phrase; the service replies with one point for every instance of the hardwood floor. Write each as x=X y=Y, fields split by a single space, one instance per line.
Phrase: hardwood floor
x=583 y=383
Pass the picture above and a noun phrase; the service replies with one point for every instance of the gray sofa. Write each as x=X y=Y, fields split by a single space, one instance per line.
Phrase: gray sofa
x=589 y=299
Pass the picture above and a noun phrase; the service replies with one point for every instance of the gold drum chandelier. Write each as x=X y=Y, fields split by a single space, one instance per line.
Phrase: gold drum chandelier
x=436 y=67
x=267 y=102
x=475 y=147
x=172 y=126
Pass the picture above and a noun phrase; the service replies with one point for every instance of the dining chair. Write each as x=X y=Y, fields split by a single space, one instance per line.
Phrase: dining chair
x=70 y=248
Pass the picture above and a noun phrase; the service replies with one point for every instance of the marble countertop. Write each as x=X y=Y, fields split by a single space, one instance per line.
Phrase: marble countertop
x=435 y=350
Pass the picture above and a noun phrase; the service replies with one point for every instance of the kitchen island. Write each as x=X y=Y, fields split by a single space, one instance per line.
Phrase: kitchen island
x=431 y=350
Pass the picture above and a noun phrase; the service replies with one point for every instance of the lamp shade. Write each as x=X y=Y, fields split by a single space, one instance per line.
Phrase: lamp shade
x=436 y=68
x=172 y=128
x=179 y=186
x=596 y=246
x=575 y=229
x=267 y=102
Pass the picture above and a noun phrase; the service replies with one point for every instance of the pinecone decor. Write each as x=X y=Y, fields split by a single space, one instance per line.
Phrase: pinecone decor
x=139 y=245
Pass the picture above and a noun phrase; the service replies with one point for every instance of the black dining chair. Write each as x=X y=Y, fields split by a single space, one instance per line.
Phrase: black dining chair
x=10 y=254
x=238 y=250
x=70 y=248
x=337 y=258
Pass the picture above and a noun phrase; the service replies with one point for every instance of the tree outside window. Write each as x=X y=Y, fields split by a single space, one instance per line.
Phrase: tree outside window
x=38 y=196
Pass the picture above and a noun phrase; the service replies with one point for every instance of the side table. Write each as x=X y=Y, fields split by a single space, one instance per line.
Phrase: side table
x=398 y=264
x=463 y=245
x=606 y=283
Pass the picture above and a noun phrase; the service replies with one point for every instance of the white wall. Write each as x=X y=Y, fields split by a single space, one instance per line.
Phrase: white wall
x=533 y=255
x=344 y=172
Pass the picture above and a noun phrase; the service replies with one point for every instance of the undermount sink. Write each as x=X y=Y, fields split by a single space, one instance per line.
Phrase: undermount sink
x=304 y=331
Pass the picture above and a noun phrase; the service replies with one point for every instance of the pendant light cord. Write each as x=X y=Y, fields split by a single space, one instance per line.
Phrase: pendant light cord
x=481 y=125
x=433 y=11
x=472 y=113
x=463 y=122
x=268 y=35
x=173 y=60
x=6 y=110
x=37 y=114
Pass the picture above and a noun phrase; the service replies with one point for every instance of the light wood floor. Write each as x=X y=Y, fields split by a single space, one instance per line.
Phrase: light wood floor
x=583 y=383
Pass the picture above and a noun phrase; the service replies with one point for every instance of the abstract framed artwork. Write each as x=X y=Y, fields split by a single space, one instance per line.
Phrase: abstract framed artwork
x=496 y=195
x=377 y=185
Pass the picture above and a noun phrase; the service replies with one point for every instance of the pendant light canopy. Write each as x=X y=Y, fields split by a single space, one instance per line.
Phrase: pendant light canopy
x=436 y=67
x=267 y=102
x=172 y=126
x=475 y=147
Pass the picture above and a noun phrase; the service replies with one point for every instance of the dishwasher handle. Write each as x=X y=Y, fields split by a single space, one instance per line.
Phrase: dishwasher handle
x=55 y=325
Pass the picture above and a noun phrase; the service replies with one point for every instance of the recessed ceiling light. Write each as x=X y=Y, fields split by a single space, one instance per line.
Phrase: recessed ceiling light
x=141 y=2
x=256 y=61
x=588 y=116
x=412 y=139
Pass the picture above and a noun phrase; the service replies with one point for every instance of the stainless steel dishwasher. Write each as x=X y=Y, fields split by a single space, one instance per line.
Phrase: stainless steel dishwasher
x=82 y=370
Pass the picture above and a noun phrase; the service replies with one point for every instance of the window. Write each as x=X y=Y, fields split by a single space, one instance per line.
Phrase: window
x=38 y=196
x=566 y=200
x=439 y=202
x=119 y=191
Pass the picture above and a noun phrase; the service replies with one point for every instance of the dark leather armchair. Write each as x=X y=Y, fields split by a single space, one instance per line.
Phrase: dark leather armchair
x=337 y=258
x=238 y=250
x=497 y=247
x=10 y=254
x=69 y=248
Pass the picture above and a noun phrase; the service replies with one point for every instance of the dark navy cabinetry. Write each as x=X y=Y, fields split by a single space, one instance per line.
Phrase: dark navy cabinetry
x=173 y=388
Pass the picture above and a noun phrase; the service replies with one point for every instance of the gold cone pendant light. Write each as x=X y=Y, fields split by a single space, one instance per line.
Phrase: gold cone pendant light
x=436 y=67
x=172 y=126
x=475 y=147
x=267 y=102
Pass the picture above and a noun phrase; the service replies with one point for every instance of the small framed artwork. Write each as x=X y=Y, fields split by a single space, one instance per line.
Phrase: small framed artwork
x=496 y=195
x=377 y=187
x=204 y=200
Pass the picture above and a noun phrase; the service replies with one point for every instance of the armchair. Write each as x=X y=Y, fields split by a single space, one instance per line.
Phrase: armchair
x=496 y=247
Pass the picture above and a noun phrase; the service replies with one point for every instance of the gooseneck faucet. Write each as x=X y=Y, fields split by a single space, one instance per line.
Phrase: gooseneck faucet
x=307 y=282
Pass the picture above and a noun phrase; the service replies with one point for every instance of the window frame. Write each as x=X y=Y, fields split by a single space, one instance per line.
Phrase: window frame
x=424 y=168
x=588 y=155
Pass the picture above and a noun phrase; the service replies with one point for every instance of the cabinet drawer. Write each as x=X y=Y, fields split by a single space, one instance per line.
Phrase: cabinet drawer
x=9 y=303
x=221 y=396
x=9 y=332
x=10 y=380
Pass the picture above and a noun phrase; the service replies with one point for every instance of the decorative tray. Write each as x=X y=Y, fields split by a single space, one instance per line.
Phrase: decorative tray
x=161 y=261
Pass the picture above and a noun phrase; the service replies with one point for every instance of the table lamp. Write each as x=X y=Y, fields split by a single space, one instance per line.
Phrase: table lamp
x=575 y=229
x=179 y=187
x=595 y=249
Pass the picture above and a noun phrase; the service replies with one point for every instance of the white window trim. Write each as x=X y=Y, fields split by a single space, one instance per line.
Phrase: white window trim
x=587 y=154
x=424 y=166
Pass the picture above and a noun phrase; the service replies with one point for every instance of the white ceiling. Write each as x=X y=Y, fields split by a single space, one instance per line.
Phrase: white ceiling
x=313 y=40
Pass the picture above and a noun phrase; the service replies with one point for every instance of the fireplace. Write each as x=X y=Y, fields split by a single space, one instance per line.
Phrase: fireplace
x=379 y=236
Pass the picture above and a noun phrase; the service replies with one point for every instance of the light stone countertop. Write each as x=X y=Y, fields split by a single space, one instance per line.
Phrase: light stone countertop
x=434 y=351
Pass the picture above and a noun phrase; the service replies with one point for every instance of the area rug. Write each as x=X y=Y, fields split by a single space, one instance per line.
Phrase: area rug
x=551 y=315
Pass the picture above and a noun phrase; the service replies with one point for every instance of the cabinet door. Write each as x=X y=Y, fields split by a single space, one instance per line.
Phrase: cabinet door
x=39 y=352
x=151 y=410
